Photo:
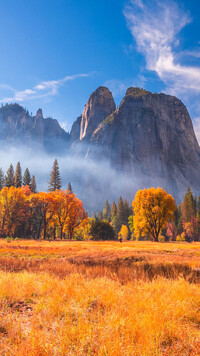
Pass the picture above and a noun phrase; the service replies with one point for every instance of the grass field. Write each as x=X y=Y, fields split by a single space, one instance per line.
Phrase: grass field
x=99 y=298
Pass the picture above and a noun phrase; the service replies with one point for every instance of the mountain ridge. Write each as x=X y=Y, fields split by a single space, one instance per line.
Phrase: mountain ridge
x=149 y=136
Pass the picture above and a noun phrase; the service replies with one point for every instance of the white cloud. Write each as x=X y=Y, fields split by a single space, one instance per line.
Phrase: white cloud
x=155 y=26
x=41 y=90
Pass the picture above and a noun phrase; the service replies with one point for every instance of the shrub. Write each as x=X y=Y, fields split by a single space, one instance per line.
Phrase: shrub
x=181 y=237
x=102 y=230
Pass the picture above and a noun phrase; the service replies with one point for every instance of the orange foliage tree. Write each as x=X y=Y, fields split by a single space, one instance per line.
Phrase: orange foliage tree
x=123 y=234
x=27 y=214
x=153 y=208
x=14 y=209
x=68 y=211
x=76 y=214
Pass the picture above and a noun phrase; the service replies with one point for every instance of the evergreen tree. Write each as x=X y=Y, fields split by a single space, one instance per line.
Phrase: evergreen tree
x=18 y=176
x=120 y=214
x=113 y=210
x=69 y=187
x=2 y=180
x=99 y=215
x=27 y=177
x=127 y=212
x=9 y=179
x=106 y=211
x=198 y=215
x=55 y=180
x=33 y=187
x=188 y=207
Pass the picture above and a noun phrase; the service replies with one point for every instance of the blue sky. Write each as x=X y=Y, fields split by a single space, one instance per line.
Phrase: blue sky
x=55 y=53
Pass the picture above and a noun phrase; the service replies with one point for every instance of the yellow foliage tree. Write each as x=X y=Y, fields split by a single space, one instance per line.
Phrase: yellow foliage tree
x=153 y=208
x=123 y=234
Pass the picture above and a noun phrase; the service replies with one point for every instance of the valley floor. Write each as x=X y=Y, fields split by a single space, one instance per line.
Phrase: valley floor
x=99 y=298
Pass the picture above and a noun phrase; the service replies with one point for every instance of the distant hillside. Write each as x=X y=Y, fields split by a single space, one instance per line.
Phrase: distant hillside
x=18 y=127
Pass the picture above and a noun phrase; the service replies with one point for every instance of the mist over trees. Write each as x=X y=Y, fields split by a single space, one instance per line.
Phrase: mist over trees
x=181 y=224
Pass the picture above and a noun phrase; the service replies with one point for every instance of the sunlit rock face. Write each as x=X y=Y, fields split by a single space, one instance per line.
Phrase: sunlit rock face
x=150 y=136
x=98 y=107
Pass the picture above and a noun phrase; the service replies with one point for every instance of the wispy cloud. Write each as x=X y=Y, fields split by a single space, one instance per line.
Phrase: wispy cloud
x=155 y=26
x=41 y=90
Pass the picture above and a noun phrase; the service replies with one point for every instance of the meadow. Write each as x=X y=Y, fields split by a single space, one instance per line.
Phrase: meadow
x=99 y=298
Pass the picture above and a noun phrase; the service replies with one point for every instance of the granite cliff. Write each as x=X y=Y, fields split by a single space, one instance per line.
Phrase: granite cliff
x=149 y=136
x=147 y=141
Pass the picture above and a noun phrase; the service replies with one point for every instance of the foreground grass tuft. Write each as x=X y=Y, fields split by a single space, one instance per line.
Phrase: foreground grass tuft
x=80 y=316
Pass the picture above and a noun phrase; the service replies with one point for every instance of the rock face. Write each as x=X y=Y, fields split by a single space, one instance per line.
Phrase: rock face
x=75 y=130
x=151 y=137
x=18 y=127
x=147 y=141
x=98 y=107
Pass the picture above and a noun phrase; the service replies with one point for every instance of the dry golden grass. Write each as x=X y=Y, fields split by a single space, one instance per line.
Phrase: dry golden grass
x=43 y=315
x=99 y=298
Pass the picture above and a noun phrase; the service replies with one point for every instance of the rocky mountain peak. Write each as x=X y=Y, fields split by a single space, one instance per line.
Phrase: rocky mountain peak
x=136 y=92
x=39 y=114
x=151 y=135
x=100 y=105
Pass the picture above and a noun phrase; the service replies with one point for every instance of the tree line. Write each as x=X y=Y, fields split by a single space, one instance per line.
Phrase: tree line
x=15 y=179
x=153 y=214
x=175 y=223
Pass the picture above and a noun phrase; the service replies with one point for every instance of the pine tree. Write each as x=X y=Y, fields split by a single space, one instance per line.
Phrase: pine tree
x=127 y=212
x=120 y=213
x=106 y=211
x=188 y=207
x=113 y=210
x=27 y=177
x=99 y=215
x=9 y=179
x=2 y=180
x=55 y=180
x=69 y=187
x=33 y=187
x=18 y=176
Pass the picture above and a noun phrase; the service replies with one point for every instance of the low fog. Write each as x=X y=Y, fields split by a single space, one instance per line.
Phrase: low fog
x=93 y=182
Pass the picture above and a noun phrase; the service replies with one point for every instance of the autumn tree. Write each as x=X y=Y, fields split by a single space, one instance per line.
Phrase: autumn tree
x=14 y=210
x=27 y=177
x=55 y=180
x=43 y=203
x=62 y=202
x=2 y=179
x=76 y=215
x=9 y=179
x=123 y=234
x=131 y=226
x=171 y=230
x=18 y=176
x=153 y=208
